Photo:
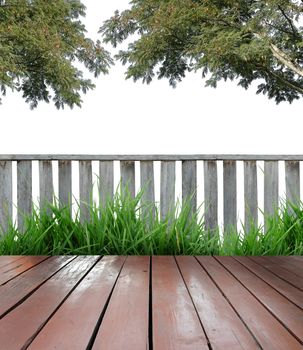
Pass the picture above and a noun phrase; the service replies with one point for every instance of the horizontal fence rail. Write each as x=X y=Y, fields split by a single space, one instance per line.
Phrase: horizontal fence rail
x=127 y=167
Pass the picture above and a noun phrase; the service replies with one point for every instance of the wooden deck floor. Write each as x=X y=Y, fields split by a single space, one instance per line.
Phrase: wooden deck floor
x=163 y=302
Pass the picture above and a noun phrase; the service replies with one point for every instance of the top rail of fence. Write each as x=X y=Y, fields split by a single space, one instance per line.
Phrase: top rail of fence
x=155 y=157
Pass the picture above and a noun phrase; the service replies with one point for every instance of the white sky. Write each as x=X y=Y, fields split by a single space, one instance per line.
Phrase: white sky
x=125 y=117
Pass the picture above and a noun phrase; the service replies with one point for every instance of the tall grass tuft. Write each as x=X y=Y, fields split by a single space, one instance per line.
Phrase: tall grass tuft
x=124 y=226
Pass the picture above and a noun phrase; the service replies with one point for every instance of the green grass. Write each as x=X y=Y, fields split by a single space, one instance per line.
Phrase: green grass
x=121 y=228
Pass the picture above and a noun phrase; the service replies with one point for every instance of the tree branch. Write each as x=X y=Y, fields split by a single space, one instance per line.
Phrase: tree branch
x=283 y=58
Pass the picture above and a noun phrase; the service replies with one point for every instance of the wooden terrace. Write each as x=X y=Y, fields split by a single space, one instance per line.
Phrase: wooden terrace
x=159 y=302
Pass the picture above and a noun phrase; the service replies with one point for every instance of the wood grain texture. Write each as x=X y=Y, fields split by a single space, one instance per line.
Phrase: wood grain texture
x=148 y=187
x=211 y=194
x=267 y=330
x=284 y=288
x=65 y=184
x=156 y=157
x=26 y=283
x=230 y=195
x=46 y=185
x=86 y=188
x=250 y=195
x=222 y=325
x=42 y=304
x=106 y=181
x=127 y=170
x=167 y=187
x=13 y=271
x=292 y=180
x=284 y=310
x=279 y=271
x=24 y=191
x=6 y=195
x=127 y=312
x=271 y=187
x=171 y=305
x=189 y=184
x=88 y=300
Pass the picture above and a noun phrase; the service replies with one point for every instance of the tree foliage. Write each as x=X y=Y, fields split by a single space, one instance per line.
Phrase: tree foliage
x=226 y=39
x=41 y=44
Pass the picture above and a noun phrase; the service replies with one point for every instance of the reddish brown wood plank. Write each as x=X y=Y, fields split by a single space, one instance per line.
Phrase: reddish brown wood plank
x=175 y=322
x=29 y=317
x=125 y=323
x=10 y=271
x=18 y=288
x=268 y=331
x=8 y=259
x=294 y=266
x=289 y=314
x=279 y=271
x=289 y=291
x=223 y=327
x=87 y=300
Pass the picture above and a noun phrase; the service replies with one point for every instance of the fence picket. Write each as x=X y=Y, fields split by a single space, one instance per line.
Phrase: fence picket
x=65 y=184
x=148 y=186
x=85 y=188
x=230 y=194
x=106 y=181
x=127 y=169
x=167 y=193
x=189 y=184
x=24 y=191
x=210 y=194
x=271 y=187
x=292 y=179
x=250 y=194
x=46 y=185
x=6 y=195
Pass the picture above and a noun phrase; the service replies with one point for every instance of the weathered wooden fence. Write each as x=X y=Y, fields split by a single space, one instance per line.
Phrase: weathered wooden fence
x=167 y=182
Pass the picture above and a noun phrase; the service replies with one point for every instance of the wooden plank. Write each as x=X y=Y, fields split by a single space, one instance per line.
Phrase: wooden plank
x=223 y=327
x=12 y=271
x=230 y=195
x=211 y=194
x=167 y=191
x=148 y=187
x=46 y=185
x=6 y=260
x=21 y=286
x=13 y=263
x=250 y=195
x=6 y=195
x=86 y=188
x=295 y=267
x=267 y=330
x=89 y=300
x=156 y=157
x=271 y=187
x=286 y=289
x=280 y=271
x=292 y=180
x=189 y=184
x=30 y=316
x=127 y=311
x=24 y=191
x=127 y=169
x=106 y=181
x=171 y=305
x=65 y=184
x=285 y=311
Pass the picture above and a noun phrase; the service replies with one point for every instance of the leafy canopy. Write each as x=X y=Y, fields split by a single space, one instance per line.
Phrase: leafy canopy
x=41 y=44
x=225 y=39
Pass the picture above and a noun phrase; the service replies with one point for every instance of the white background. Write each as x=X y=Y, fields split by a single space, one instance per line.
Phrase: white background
x=125 y=117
